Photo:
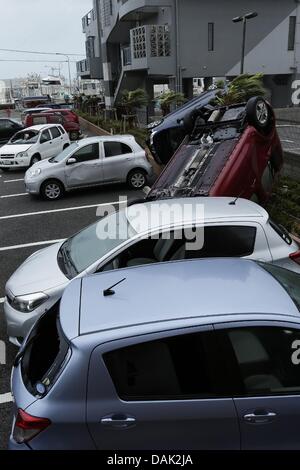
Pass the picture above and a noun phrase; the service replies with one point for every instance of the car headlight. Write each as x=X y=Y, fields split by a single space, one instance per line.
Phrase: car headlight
x=34 y=172
x=22 y=155
x=154 y=124
x=28 y=303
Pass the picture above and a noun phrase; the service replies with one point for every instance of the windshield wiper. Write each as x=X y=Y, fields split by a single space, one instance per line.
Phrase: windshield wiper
x=67 y=258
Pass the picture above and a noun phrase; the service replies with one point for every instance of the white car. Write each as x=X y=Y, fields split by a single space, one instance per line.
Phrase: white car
x=240 y=229
x=33 y=144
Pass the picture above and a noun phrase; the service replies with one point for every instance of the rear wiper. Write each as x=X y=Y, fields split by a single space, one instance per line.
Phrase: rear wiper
x=67 y=256
x=21 y=353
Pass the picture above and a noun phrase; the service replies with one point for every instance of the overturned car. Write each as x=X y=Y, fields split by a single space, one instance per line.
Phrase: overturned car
x=232 y=151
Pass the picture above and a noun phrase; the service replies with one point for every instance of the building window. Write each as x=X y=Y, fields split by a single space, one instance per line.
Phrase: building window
x=160 y=41
x=292 y=33
x=90 y=46
x=211 y=34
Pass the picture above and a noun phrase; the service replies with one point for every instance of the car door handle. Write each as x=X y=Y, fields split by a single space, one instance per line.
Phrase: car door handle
x=118 y=421
x=260 y=417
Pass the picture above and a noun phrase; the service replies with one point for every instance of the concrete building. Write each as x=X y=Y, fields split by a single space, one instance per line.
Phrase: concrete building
x=140 y=43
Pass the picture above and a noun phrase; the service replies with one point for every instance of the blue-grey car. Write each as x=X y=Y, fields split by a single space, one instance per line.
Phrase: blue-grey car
x=198 y=354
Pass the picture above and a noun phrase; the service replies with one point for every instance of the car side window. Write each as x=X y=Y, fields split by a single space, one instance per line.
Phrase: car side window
x=172 y=368
x=89 y=152
x=267 y=359
x=55 y=132
x=56 y=118
x=45 y=136
x=61 y=130
x=114 y=149
x=214 y=241
x=6 y=124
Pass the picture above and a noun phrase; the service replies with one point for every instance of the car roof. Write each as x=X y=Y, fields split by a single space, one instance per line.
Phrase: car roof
x=39 y=127
x=120 y=137
x=148 y=215
x=28 y=110
x=172 y=291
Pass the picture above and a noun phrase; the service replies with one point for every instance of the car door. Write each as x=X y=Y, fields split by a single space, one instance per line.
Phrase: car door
x=88 y=167
x=46 y=147
x=117 y=160
x=264 y=359
x=160 y=391
x=7 y=130
x=57 y=140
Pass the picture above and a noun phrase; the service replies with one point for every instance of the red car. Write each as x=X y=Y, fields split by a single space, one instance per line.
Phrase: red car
x=232 y=151
x=66 y=118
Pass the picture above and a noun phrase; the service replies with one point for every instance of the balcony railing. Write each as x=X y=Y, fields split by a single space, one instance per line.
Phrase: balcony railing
x=87 y=19
x=150 y=41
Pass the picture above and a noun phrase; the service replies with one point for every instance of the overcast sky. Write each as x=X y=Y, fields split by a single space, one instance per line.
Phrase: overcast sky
x=40 y=25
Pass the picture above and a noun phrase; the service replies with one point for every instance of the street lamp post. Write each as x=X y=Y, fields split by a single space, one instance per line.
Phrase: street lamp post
x=244 y=19
x=69 y=69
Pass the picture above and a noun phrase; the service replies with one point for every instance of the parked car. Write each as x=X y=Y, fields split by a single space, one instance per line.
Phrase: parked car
x=68 y=112
x=8 y=127
x=167 y=133
x=68 y=121
x=90 y=162
x=58 y=105
x=242 y=229
x=30 y=111
x=197 y=355
x=232 y=151
x=33 y=144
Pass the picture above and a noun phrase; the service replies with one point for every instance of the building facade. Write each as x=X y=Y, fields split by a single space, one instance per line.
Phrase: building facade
x=140 y=43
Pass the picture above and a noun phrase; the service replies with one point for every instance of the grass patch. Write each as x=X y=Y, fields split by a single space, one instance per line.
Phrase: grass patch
x=284 y=205
x=140 y=135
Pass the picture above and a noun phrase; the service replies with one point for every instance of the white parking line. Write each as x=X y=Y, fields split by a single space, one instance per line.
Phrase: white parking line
x=2 y=300
x=14 y=195
x=6 y=398
x=65 y=209
x=26 y=245
x=13 y=181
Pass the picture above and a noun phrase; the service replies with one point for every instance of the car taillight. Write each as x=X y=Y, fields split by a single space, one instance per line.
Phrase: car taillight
x=27 y=426
x=295 y=256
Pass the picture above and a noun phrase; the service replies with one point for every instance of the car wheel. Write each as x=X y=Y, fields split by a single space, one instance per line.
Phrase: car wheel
x=137 y=179
x=259 y=114
x=74 y=135
x=34 y=159
x=52 y=190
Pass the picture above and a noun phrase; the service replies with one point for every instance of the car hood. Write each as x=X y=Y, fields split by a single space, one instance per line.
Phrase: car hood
x=14 y=149
x=39 y=273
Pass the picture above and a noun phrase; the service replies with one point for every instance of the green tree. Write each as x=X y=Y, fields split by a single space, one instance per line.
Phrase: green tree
x=241 y=89
x=134 y=99
x=168 y=98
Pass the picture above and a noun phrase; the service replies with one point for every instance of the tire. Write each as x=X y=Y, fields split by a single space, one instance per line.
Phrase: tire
x=259 y=114
x=52 y=190
x=34 y=159
x=137 y=179
x=74 y=135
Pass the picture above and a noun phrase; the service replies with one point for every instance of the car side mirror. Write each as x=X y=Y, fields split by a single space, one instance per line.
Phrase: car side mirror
x=71 y=161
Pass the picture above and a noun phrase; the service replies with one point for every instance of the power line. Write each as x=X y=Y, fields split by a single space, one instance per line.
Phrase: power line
x=39 y=52
x=40 y=61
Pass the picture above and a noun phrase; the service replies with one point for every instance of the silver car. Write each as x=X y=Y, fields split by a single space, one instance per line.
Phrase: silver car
x=90 y=162
x=239 y=230
x=200 y=354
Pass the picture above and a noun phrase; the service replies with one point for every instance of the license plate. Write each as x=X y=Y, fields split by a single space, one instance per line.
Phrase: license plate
x=6 y=162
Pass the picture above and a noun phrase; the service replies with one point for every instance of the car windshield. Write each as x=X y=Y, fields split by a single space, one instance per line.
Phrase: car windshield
x=24 y=137
x=61 y=156
x=94 y=242
x=289 y=280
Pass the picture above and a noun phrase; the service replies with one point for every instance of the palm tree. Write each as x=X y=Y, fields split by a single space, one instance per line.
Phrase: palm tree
x=168 y=98
x=241 y=89
x=134 y=99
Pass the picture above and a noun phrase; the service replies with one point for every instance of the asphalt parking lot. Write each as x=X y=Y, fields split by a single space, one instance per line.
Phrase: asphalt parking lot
x=28 y=224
